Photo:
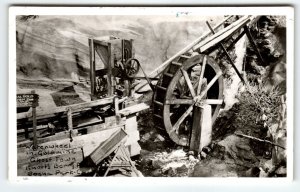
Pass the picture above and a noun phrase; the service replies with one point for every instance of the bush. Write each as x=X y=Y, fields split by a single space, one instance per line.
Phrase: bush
x=259 y=103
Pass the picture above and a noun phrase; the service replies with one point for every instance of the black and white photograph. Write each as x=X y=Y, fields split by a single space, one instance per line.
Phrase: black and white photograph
x=151 y=92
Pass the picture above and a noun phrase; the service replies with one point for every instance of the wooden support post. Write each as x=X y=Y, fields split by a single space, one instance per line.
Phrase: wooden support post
x=116 y=103
x=196 y=130
x=110 y=78
x=202 y=128
x=92 y=66
x=70 y=123
x=70 y=120
x=34 y=124
x=127 y=88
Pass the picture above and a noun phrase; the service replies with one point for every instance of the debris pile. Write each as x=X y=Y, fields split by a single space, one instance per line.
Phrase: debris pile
x=175 y=163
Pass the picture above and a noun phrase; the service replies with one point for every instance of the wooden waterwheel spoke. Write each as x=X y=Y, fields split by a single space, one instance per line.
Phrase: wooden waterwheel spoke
x=182 y=118
x=210 y=84
x=188 y=82
x=201 y=74
x=213 y=101
x=180 y=87
x=179 y=102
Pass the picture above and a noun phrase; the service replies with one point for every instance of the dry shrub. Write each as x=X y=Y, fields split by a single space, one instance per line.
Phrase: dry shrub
x=259 y=103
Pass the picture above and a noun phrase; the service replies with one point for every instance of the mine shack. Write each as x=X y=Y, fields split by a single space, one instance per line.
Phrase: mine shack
x=113 y=132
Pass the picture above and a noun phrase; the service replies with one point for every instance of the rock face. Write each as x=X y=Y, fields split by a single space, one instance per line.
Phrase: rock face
x=270 y=36
x=56 y=47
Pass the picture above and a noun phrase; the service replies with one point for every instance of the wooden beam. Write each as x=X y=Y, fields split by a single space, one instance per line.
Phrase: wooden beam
x=110 y=123
x=223 y=34
x=201 y=75
x=188 y=82
x=92 y=66
x=201 y=129
x=253 y=44
x=181 y=119
x=116 y=104
x=57 y=136
x=34 y=123
x=210 y=84
x=99 y=42
x=213 y=101
x=74 y=108
x=180 y=102
x=196 y=130
x=133 y=109
x=110 y=78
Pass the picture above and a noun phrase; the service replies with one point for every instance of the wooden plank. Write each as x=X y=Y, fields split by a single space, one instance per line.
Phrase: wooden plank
x=44 y=125
x=74 y=107
x=83 y=128
x=39 y=127
x=110 y=123
x=108 y=146
x=213 y=101
x=180 y=102
x=223 y=34
x=100 y=42
x=57 y=136
x=133 y=109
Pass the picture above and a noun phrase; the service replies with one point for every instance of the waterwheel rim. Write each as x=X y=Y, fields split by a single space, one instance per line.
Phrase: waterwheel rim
x=183 y=93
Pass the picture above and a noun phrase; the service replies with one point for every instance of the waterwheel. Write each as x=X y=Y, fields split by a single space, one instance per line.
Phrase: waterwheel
x=178 y=92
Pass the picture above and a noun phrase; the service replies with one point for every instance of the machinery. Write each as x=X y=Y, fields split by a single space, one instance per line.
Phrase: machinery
x=187 y=81
x=112 y=66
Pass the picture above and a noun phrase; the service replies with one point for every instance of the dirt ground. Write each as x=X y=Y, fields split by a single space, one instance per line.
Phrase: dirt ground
x=229 y=155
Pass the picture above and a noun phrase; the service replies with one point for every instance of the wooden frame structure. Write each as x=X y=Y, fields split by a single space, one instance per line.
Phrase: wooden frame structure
x=108 y=49
x=208 y=41
x=170 y=97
